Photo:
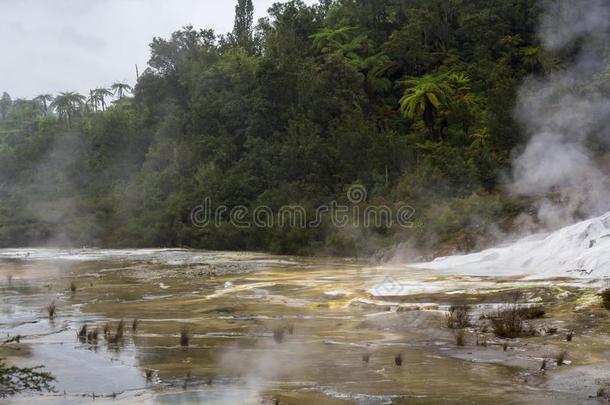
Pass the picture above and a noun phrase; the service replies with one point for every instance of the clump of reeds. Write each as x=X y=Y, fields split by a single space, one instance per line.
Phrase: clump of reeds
x=458 y=317
x=92 y=336
x=278 y=335
x=507 y=323
x=460 y=339
x=184 y=336
x=51 y=310
x=120 y=329
x=603 y=392
x=113 y=339
x=82 y=333
x=561 y=358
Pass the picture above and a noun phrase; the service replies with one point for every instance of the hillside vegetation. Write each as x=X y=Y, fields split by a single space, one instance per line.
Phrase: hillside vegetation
x=413 y=99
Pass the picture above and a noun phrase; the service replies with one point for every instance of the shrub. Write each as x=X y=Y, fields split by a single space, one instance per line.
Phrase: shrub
x=535 y=312
x=458 y=317
x=508 y=324
x=14 y=380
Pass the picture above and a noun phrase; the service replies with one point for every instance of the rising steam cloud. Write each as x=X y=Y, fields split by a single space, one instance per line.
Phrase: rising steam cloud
x=566 y=114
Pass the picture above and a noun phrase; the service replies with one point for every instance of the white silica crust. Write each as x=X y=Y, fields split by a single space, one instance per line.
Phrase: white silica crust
x=580 y=250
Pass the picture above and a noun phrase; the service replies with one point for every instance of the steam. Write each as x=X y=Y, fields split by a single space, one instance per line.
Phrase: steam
x=564 y=114
x=261 y=366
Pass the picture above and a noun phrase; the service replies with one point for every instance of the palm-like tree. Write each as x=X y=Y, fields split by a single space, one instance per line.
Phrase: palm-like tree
x=45 y=100
x=462 y=99
x=425 y=96
x=92 y=101
x=330 y=40
x=67 y=103
x=120 y=89
x=100 y=94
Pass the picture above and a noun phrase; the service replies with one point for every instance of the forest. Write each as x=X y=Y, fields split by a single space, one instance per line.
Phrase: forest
x=412 y=99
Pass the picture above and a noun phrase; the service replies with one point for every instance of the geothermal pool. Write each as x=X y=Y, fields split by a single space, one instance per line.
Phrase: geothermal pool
x=288 y=330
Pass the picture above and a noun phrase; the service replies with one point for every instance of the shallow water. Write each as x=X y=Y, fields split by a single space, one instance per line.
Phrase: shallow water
x=261 y=328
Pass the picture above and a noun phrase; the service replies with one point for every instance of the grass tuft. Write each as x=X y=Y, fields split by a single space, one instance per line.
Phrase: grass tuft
x=398 y=360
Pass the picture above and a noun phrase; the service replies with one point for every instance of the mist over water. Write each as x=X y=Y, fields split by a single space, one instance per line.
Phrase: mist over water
x=566 y=114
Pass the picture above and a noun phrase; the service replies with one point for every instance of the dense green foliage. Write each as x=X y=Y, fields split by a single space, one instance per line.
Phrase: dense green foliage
x=411 y=98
